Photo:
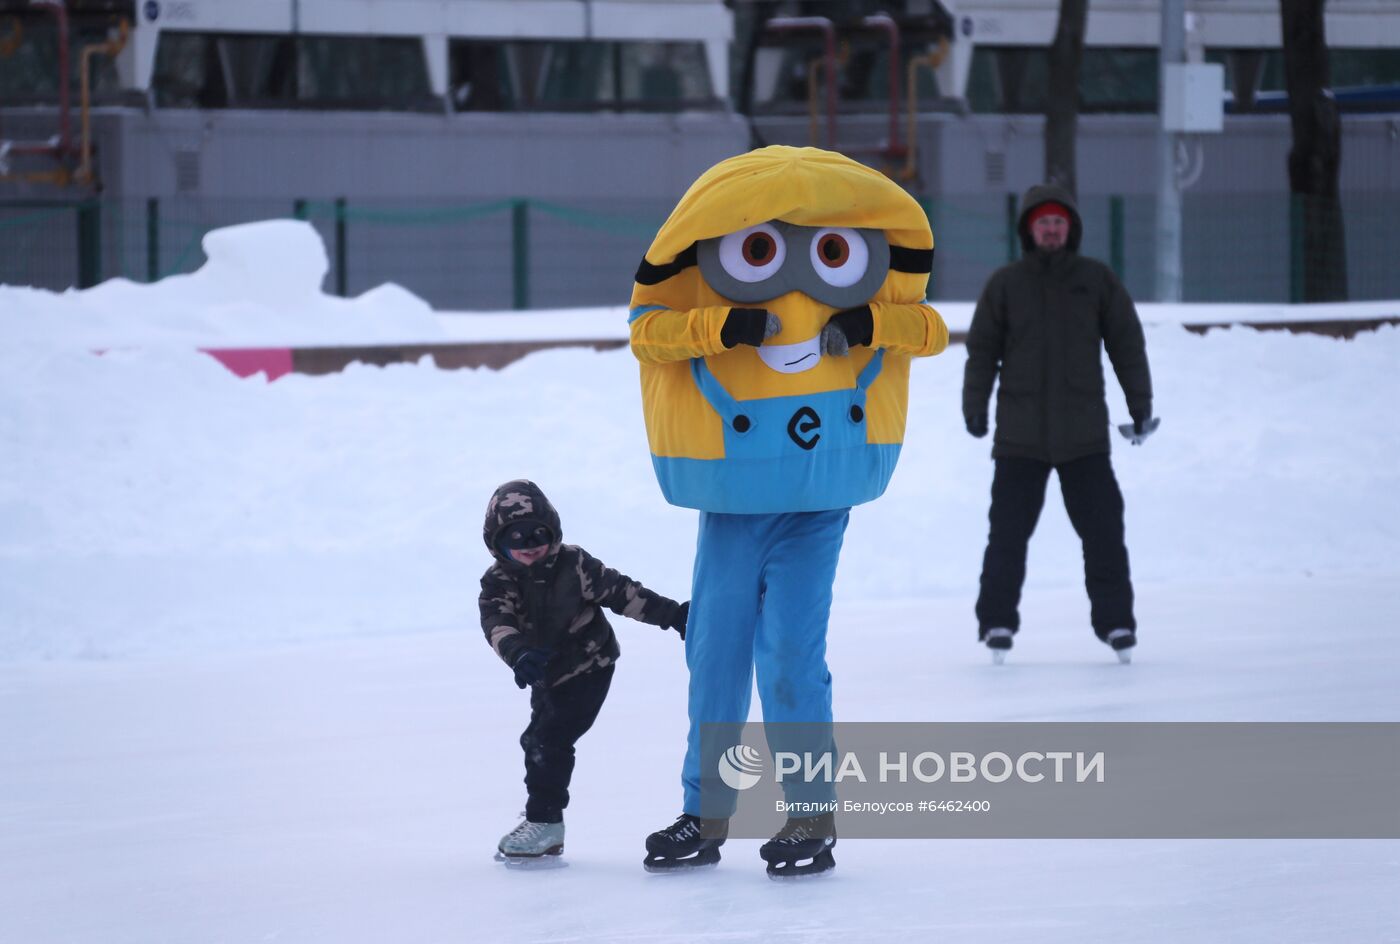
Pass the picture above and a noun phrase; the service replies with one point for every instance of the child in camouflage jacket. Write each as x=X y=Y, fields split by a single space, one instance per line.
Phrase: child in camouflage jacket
x=541 y=611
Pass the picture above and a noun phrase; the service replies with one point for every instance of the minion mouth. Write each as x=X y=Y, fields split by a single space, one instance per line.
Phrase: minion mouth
x=792 y=358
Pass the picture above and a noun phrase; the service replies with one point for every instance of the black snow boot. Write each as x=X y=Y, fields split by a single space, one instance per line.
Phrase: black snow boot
x=802 y=847
x=690 y=842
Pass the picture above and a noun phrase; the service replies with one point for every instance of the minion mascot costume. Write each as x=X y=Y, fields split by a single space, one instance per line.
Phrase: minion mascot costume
x=774 y=317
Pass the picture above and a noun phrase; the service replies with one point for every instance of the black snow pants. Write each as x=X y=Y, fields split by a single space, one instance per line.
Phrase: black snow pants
x=559 y=716
x=1095 y=507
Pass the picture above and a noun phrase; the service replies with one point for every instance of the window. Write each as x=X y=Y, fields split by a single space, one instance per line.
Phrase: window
x=353 y=71
x=1008 y=79
x=1364 y=80
x=660 y=73
x=481 y=77
x=188 y=73
x=1362 y=67
x=29 y=58
x=586 y=75
x=1013 y=79
x=231 y=70
x=1118 y=79
x=782 y=75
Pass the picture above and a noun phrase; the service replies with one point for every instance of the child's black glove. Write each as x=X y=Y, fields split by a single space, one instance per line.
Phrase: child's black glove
x=529 y=667
x=678 y=621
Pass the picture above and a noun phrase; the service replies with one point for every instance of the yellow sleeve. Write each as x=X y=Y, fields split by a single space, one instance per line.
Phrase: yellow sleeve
x=660 y=335
x=916 y=330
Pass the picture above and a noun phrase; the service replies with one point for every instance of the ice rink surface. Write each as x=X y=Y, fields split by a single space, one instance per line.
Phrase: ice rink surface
x=244 y=695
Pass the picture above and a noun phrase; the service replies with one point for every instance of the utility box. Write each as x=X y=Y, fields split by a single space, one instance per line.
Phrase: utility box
x=1194 y=97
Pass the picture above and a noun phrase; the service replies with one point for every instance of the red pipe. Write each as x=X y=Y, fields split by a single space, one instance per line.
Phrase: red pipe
x=886 y=22
x=793 y=24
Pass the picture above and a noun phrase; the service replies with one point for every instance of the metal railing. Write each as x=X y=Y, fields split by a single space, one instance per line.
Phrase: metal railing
x=522 y=252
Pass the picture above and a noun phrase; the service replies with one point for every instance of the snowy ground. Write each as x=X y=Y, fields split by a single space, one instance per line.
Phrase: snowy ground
x=244 y=698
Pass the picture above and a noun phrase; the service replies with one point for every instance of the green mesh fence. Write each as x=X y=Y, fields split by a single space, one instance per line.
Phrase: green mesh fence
x=523 y=253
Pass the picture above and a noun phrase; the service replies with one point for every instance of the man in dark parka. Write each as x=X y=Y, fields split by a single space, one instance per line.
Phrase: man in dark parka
x=1040 y=325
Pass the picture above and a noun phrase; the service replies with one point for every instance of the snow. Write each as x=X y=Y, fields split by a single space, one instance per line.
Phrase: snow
x=261 y=286
x=244 y=696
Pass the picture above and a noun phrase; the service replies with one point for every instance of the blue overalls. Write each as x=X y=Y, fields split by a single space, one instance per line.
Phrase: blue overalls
x=761 y=594
x=760 y=603
x=797 y=453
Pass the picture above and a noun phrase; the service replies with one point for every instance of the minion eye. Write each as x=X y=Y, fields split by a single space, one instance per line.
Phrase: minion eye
x=840 y=256
x=753 y=254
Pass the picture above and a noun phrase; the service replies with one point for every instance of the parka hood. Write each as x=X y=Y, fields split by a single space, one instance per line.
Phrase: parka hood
x=1049 y=193
x=518 y=500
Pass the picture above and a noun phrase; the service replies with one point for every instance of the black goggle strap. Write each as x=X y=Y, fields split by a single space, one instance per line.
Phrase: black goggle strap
x=917 y=261
x=902 y=259
x=648 y=274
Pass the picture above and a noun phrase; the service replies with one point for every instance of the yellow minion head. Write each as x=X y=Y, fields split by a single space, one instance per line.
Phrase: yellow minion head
x=804 y=186
x=803 y=234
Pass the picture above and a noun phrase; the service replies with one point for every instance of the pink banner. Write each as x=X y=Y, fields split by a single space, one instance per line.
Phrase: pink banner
x=247 y=361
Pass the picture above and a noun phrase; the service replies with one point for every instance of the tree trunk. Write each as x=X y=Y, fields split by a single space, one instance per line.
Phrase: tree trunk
x=1062 y=96
x=1315 y=160
x=750 y=20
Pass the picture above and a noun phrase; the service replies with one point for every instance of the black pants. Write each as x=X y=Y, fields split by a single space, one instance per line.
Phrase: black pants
x=559 y=716
x=1095 y=507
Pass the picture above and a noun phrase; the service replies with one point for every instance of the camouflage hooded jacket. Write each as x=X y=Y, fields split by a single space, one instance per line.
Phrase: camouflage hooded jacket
x=556 y=603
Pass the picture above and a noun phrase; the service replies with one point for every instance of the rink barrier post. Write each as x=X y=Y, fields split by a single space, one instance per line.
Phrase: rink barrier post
x=153 y=239
x=1013 y=239
x=89 y=243
x=341 y=275
x=1115 y=235
x=520 y=253
x=1296 y=252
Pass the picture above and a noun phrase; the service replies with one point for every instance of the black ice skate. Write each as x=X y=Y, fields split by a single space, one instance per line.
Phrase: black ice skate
x=801 y=848
x=1122 y=641
x=688 y=843
x=998 y=639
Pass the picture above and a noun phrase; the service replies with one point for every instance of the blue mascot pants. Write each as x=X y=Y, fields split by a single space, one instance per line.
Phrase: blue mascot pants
x=760 y=602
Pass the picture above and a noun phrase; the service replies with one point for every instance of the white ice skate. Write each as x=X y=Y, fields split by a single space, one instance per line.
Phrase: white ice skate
x=998 y=639
x=1122 y=641
x=533 y=846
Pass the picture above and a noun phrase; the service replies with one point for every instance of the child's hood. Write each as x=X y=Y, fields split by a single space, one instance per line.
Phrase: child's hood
x=514 y=501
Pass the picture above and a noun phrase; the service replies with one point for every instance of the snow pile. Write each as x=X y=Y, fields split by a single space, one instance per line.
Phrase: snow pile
x=195 y=509
x=261 y=287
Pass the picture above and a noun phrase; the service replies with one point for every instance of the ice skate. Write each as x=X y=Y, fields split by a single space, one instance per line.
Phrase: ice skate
x=688 y=843
x=802 y=848
x=532 y=845
x=1122 y=642
x=998 y=639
